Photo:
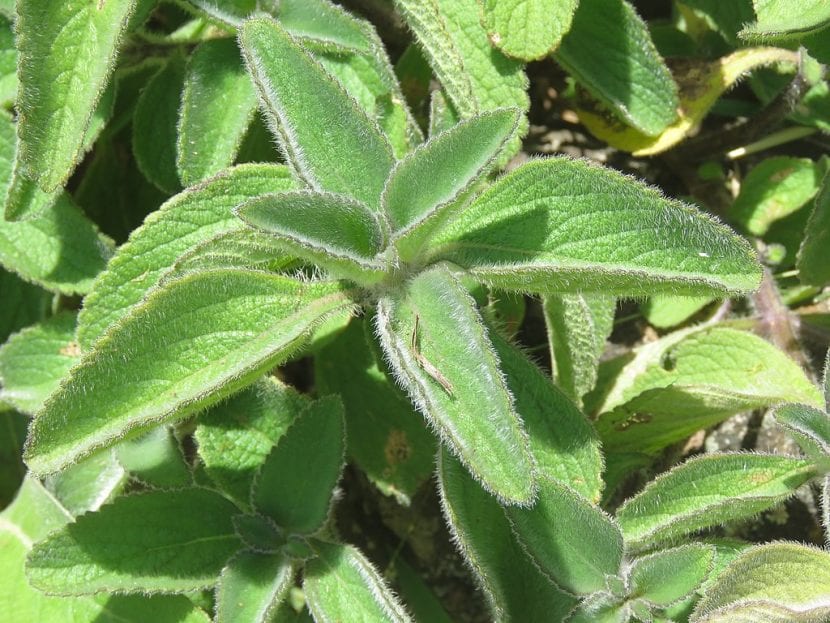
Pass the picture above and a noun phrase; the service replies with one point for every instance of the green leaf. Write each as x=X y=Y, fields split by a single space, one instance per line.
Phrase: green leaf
x=528 y=29
x=341 y=585
x=386 y=439
x=423 y=186
x=773 y=190
x=221 y=330
x=234 y=12
x=185 y=221
x=334 y=231
x=12 y=470
x=151 y=541
x=707 y=491
x=88 y=484
x=561 y=438
x=295 y=484
x=813 y=261
x=785 y=18
x=325 y=23
x=155 y=458
x=475 y=77
x=23 y=304
x=667 y=311
x=34 y=514
x=693 y=379
x=67 y=50
x=251 y=587
x=666 y=576
x=218 y=104
x=778 y=582
x=439 y=351
x=577 y=326
x=235 y=437
x=155 y=126
x=33 y=362
x=609 y=51
x=325 y=136
x=515 y=588
x=8 y=63
x=810 y=428
x=572 y=541
x=570 y=226
x=242 y=248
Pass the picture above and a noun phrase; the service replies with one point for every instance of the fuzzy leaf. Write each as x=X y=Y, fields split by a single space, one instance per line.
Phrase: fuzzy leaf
x=235 y=436
x=667 y=311
x=218 y=104
x=241 y=248
x=325 y=23
x=572 y=541
x=145 y=542
x=386 y=438
x=186 y=220
x=813 y=259
x=23 y=304
x=609 y=51
x=155 y=459
x=294 y=486
x=251 y=587
x=693 y=379
x=334 y=231
x=707 y=491
x=8 y=63
x=786 y=18
x=777 y=582
x=59 y=89
x=447 y=365
x=88 y=484
x=667 y=576
x=515 y=588
x=474 y=76
x=425 y=184
x=564 y=225
x=809 y=427
x=528 y=29
x=341 y=585
x=325 y=136
x=33 y=362
x=578 y=326
x=219 y=331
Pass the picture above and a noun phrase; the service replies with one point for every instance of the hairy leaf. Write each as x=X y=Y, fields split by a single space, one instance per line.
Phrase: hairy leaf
x=667 y=311
x=528 y=29
x=809 y=427
x=155 y=459
x=185 y=221
x=515 y=588
x=708 y=491
x=295 y=484
x=325 y=136
x=23 y=304
x=667 y=576
x=813 y=259
x=251 y=587
x=341 y=585
x=439 y=351
x=784 y=18
x=67 y=50
x=189 y=344
x=88 y=484
x=565 y=225
x=149 y=541
x=218 y=104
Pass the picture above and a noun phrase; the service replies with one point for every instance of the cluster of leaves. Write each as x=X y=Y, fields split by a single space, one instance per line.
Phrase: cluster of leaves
x=171 y=475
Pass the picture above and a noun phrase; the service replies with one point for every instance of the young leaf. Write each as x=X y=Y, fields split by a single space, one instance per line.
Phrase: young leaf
x=242 y=248
x=786 y=19
x=155 y=125
x=669 y=575
x=251 y=587
x=386 y=438
x=333 y=231
x=33 y=362
x=294 y=486
x=341 y=585
x=89 y=484
x=220 y=330
x=609 y=51
x=58 y=89
x=155 y=459
x=326 y=137
x=707 y=491
x=578 y=326
x=186 y=220
x=218 y=104
x=235 y=437
x=567 y=225
x=325 y=23
x=813 y=261
x=694 y=379
x=515 y=588
x=808 y=426
x=572 y=541
x=773 y=582
x=439 y=351
x=528 y=29
x=423 y=185
x=149 y=541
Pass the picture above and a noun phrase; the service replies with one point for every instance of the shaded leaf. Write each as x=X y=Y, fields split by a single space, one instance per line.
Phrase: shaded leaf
x=810 y=428
x=813 y=259
x=528 y=29
x=669 y=575
x=155 y=458
x=782 y=18
x=88 y=484
x=667 y=311
x=251 y=587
